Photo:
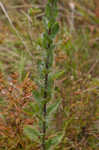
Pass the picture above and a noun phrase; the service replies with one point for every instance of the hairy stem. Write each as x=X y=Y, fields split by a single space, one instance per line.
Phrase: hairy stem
x=51 y=29
x=44 y=107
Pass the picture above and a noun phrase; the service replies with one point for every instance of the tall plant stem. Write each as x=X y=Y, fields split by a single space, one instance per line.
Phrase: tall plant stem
x=51 y=29
x=45 y=104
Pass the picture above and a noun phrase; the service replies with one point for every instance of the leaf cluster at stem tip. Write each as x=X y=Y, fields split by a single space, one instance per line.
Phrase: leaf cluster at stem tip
x=50 y=23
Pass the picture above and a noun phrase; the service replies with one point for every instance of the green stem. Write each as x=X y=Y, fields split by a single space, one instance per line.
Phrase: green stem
x=51 y=28
x=44 y=107
x=45 y=95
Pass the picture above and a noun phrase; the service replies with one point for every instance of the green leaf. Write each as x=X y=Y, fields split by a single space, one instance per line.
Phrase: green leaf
x=50 y=86
x=50 y=51
x=57 y=75
x=36 y=110
x=46 y=40
x=37 y=96
x=32 y=133
x=35 y=107
x=54 y=30
x=2 y=117
x=48 y=10
x=32 y=109
x=52 y=108
x=54 y=141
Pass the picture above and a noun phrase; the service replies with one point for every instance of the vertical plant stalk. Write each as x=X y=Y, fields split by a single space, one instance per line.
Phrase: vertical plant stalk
x=45 y=95
x=51 y=29
x=45 y=104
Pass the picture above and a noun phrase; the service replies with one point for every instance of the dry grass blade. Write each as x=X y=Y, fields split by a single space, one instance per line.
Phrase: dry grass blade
x=16 y=31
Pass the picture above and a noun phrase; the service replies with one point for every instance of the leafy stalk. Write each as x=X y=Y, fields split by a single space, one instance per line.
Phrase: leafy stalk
x=51 y=27
x=42 y=109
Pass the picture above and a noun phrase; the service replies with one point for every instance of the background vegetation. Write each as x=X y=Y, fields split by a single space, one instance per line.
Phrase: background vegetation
x=76 y=55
